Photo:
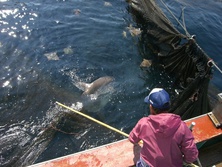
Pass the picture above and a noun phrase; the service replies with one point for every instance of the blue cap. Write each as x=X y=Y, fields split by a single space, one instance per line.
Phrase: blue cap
x=158 y=98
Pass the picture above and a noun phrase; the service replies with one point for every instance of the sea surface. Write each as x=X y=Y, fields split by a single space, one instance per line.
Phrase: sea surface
x=48 y=47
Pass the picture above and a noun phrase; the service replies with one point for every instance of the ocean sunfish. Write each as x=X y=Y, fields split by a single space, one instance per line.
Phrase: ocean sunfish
x=91 y=88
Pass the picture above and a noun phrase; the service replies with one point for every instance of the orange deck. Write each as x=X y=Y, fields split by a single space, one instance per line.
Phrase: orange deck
x=204 y=128
x=115 y=154
x=121 y=153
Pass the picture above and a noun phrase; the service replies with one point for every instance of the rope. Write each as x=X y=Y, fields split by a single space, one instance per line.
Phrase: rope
x=211 y=62
x=93 y=119
x=183 y=26
x=59 y=130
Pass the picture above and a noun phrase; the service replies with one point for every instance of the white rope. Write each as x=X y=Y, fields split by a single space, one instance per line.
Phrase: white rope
x=183 y=26
x=214 y=64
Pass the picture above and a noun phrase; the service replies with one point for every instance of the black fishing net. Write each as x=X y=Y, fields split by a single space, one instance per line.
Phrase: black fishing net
x=179 y=55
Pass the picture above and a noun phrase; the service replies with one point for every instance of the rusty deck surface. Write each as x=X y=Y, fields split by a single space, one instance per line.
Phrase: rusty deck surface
x=115 y=154
x=204 y=128
x=122 y=154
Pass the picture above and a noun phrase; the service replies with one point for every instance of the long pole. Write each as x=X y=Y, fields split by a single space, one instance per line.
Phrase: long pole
x=93 y=119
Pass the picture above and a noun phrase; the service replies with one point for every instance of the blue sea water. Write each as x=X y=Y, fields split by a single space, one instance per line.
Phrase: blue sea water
x=47 y=47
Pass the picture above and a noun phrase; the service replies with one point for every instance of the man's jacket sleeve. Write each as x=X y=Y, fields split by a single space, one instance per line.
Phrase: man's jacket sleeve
x=188 y=146
x=134 y=135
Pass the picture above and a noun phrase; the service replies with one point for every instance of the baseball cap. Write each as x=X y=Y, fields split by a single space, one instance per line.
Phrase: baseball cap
x=158 y=98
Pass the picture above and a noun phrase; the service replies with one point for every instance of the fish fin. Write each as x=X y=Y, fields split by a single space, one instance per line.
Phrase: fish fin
x=83 y=86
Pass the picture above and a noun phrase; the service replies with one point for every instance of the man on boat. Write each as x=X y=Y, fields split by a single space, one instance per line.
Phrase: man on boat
x=167 y=141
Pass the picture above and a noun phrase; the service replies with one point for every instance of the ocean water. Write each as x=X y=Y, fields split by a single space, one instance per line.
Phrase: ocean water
x=46 y=48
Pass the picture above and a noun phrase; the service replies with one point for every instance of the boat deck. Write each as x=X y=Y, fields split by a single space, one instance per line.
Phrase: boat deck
x=123 y=153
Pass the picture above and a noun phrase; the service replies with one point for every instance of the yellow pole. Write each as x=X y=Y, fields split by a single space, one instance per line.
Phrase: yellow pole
x=93 y=119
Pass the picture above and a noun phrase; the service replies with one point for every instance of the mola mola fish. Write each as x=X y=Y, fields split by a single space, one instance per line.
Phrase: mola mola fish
x=91 y=88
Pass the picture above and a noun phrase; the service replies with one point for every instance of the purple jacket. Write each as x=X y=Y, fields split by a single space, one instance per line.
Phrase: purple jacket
x=167 y=141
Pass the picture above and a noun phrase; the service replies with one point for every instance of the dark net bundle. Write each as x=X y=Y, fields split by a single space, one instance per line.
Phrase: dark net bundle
x=178 y=54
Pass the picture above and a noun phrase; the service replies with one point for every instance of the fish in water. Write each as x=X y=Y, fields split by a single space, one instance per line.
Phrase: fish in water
x=91 y=88
x=52 y=56
x=134 y=31
x=146 y=63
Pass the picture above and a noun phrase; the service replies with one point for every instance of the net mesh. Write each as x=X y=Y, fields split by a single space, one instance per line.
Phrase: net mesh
x=178 y=54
